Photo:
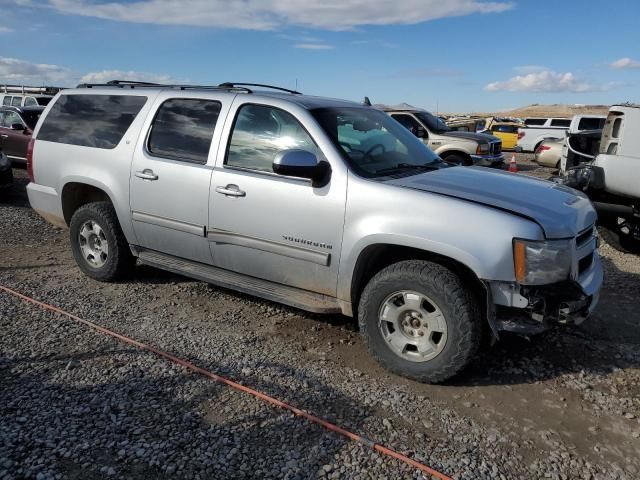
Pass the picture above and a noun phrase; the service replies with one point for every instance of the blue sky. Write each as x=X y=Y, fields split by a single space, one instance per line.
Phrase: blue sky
x=458 y=55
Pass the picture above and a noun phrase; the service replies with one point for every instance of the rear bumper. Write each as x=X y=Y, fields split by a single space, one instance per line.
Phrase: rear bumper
x=46 y=202
x=495 y=161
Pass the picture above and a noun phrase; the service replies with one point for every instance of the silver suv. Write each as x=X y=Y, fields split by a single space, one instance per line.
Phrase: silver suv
x=325 y=205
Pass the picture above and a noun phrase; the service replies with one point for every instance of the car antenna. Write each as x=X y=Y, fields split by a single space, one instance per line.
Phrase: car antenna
x=366 y=101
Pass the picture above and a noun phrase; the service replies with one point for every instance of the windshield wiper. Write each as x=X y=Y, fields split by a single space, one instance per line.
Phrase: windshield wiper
x=409 y=166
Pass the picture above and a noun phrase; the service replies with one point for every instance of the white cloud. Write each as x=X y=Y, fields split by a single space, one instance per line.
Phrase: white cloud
x=314 y=46
x=545 y=81
x=625 y=63
x=272 y=14
x=107 y=75
x=14 y=71
x=21 y=72
x=5 y=30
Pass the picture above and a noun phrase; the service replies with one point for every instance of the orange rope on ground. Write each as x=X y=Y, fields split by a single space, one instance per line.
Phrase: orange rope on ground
x=274 y=401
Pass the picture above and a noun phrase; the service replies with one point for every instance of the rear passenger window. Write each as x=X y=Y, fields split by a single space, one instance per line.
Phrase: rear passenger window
x=260 y=132
x=560 y=122
x=16 y=101
x=98 y=121
x=535 y=121
x=591 y=123
x=30 y=102
x=183 y=129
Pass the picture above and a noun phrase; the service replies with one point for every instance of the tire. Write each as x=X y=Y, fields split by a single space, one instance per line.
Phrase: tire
x=621 y=240
x=456 y=159
x=446 y=295
x=98 y=244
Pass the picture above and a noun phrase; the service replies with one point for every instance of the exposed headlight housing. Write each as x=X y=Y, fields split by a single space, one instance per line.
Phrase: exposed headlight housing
x=482 y=149
x=542 y=263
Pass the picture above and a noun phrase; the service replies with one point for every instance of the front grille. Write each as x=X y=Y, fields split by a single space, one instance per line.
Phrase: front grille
x=585 y=249
x=584 y=236
x=585 y=263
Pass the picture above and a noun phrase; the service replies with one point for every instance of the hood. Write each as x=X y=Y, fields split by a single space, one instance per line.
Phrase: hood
x=476 y=137
x=560 y=211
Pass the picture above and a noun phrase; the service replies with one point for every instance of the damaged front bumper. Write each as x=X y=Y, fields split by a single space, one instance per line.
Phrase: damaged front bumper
x=529 y=310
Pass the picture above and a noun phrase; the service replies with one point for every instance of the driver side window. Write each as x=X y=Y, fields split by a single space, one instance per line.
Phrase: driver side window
x=408 y=122
x=260 y=132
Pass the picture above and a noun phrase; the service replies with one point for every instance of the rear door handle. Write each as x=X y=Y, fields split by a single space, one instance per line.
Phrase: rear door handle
x=231 y=190
x=147 y=174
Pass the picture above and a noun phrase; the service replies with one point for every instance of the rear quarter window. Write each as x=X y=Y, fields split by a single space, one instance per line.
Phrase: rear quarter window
x=98 y=121
x=591 y=123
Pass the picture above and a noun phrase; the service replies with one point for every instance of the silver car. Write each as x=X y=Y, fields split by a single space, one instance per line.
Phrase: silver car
x=325 y=205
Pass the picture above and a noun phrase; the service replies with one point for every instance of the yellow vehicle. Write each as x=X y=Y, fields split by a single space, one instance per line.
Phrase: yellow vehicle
x=507 y=132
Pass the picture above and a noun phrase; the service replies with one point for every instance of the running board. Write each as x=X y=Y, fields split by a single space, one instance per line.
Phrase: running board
x=295 y=297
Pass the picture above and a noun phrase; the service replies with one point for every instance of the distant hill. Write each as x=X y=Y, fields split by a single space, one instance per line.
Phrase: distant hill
x=554 y=110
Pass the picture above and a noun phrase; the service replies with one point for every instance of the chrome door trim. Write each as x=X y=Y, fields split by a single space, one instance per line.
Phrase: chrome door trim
x=305 y=254
x=193 y=229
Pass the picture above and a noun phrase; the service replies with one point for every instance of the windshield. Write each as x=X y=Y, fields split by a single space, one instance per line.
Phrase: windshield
x=373 y=143
x=432 y=122
x=31 y=118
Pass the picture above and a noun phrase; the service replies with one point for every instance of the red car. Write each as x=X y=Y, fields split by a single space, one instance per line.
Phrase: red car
x=16 y=127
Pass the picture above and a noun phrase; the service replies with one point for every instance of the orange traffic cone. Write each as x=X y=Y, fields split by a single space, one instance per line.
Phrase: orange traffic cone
x=513 y=166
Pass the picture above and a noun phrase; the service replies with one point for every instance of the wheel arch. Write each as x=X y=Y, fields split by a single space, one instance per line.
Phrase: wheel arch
x=76 y=192
x=461 y=153
x=376 y=256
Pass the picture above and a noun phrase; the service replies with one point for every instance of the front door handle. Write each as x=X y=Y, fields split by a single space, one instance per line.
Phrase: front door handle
x=147 y=174
x=4 y=136
x=231 y=190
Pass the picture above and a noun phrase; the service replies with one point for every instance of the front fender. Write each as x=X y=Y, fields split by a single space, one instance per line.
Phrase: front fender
x=349 y=262
x=472 y=234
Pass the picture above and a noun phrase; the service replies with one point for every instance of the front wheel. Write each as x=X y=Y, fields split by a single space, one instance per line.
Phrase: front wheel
x=419 y=321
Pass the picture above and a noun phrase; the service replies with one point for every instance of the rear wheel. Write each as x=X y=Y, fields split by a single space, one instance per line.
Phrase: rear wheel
x=98 y=244
x=419 y=321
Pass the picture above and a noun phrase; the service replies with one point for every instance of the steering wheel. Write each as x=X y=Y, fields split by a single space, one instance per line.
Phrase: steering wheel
x=347 y=146
x=368 y=153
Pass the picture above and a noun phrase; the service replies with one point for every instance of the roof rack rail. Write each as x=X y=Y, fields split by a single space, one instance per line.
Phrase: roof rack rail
x=262 y=85
x=25 y=89
x=134 y=84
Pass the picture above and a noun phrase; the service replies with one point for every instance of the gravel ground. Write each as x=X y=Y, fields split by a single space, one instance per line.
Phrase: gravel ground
x=76 y=404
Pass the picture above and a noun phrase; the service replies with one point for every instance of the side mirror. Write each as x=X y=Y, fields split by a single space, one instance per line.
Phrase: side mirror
x=302 y=164
x=420 y=132
x=17 y=126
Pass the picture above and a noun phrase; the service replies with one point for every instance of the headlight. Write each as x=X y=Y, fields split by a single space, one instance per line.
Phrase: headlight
x=541 y=263
x=482 y=149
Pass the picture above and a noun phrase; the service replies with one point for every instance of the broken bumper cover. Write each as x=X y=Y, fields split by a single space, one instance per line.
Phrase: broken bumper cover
x=531 y=310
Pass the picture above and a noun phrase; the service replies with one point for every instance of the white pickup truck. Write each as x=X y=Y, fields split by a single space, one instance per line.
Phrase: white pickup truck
x=539 y=129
